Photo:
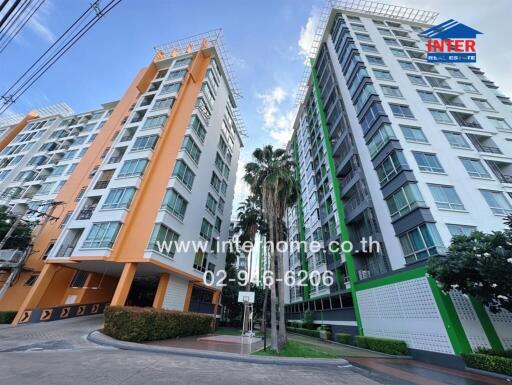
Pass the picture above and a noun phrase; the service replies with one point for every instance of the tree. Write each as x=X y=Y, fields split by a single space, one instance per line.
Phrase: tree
x=479 y=265
x=21 y=236
x=272 y=180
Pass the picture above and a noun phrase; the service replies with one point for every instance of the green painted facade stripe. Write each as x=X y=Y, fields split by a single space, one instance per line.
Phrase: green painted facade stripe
x=300 y=217
x=402 y=276
x=451 y=320
x=337 y=194
x=486 y=323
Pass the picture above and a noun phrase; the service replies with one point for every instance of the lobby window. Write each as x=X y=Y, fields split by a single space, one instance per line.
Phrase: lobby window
x=428 y=162
x=102 y=235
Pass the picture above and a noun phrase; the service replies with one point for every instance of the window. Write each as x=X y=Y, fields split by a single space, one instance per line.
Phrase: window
x=102 y=235
x=441 y=116
x=421 y=243
x=401 y=111
x=437 y=82
x=200 y=260
x=414 y=134
x=215 y=182
x=404 y=200
x=446 y=197
x=182 y=62
x=147 y=142
x=31 y=280
x=483 y=104
x=499 y=123
x=385 y=32
x=220 y=207
x=154 y=122
x=475 y=168
x=59 y=186
x=206 y=229
x=456 y=230
x=46 y=188
x=79 y=279
x=468 y=87
x=164 y=103
x=407 y=65
x=211 y=204
x=80 y=194
x=183 y=173
x=176 y=74
x=133 y=167
x=375 y=60
x=392 y=91
x=66 y=219
x=163 y=240
x=218 y=224
x=428 y=162
x=198 y=128
x=382 y=74
x=455 y=72
x=456 y=140
x=391 y=166
x=398 y=52
x=170 y=87
x=368 y=48
x=175 y=203
x=363 y=36
x=119 y=198
x=428 y=97
x=358 y=27
x=417 y=80
x=497 y=202
x=191 y=148
x=381 y=137
x=160 y=74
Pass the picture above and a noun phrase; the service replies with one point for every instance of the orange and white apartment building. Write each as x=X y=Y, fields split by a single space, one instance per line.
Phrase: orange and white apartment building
x=157 y=165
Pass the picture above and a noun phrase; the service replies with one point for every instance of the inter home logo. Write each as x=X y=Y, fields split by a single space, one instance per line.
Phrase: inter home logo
x=451 y=41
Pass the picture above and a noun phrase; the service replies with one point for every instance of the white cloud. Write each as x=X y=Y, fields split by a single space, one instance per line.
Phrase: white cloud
x=39 y=21
x=307 y=33
x=277 y=114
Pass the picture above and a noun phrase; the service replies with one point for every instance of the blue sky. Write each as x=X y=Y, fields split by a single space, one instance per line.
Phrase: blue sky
x=265 y=38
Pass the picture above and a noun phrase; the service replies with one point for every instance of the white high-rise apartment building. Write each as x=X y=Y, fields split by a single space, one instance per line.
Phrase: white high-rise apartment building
x=406 y=152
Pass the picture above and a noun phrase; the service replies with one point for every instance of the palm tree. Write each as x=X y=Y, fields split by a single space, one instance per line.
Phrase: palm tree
x=272 y=179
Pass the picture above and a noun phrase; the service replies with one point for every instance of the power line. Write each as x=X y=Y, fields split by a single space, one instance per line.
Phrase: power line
x=9 y=12
x=20 y=25
x=60 y=47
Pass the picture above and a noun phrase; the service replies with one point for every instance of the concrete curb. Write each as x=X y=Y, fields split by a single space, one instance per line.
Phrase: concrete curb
x=101 y=339
x=490 y=374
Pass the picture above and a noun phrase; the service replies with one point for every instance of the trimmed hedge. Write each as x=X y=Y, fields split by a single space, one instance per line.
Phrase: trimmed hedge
x=491 y=363
x=344 y=338
x=6 y=317
x=383 y=345
x=147 y=324
x=309 y=332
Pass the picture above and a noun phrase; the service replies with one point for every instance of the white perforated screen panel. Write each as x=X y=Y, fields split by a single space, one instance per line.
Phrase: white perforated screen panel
x=502 y=323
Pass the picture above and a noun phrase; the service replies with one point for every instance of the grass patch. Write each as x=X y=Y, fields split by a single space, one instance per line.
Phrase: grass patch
x=299 y=349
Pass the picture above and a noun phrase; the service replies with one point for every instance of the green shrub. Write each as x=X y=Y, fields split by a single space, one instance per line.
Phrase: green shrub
x=308 y=320
x=384 y=345
x=6 y=317
x=148 y=324
x=492 y=352
x=344 y=338
x=491 y=363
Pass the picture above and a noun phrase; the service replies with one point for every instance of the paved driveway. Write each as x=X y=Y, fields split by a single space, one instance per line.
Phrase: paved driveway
x=57 y=353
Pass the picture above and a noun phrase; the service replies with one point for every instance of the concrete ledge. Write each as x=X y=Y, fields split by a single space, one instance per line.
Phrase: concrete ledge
x=101 y=339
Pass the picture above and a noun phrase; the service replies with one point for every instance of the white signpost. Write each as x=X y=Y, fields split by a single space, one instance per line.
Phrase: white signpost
x=247 y=298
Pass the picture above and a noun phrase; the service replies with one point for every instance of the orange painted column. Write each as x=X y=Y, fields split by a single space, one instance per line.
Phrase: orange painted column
x=161 y=290
x=186 y=305
x=124 y=285
x=11 y=134
x=36 y=293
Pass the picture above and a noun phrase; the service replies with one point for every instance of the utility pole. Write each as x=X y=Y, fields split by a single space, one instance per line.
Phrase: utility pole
x=17 y=268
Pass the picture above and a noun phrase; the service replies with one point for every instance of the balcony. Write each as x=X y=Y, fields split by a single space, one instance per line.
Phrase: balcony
x=484 y=144
x=101 y=184
x=86 y=213
x=502 y=170
x=104 y=179
x=451 y=100
x=465 y=120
